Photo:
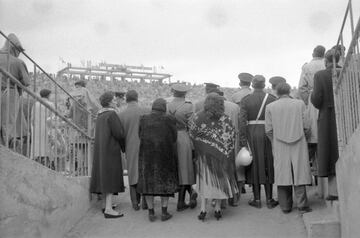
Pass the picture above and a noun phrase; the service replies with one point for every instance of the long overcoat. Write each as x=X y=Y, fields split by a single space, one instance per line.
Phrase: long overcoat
x=285 y=123
x=158 y=172
x=182 y=110
x=107 y=171
x=322 y=98
x=130 y=118
x=261 y=170
x=306 y=85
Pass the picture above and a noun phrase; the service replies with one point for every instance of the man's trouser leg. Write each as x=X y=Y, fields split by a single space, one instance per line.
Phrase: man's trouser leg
x=285 y=197
x=134 y=195
x=300 y=196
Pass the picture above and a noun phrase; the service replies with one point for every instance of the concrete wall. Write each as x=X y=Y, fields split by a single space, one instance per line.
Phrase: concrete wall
x=348 y=177
x=36 y=201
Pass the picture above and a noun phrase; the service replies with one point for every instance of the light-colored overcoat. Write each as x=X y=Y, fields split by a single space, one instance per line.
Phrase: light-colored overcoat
x=284 y=124
x=130 y=118
x=306 y=85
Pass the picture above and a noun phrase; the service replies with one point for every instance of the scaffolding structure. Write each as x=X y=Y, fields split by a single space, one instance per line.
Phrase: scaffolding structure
x=116 y=72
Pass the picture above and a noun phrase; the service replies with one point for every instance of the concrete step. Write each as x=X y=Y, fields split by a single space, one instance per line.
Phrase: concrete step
x=323 y=221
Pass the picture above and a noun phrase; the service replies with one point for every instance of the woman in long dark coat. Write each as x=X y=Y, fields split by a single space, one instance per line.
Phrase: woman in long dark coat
x=322 y=98
x=107 y=171
x=158 y=174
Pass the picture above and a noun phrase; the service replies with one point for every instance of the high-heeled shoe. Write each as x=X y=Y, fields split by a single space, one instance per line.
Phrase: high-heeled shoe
x=217 y=215
x=202 y=216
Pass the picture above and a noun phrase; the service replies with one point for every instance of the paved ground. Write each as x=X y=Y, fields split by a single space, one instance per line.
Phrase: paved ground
x=243 y=221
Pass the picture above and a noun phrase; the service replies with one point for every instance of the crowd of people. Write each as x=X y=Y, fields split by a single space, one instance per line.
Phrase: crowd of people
x=173 y=144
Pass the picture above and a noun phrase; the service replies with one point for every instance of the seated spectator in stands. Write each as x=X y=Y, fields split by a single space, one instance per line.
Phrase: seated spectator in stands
x=107 y=171
x=13 y=124
x=158 y=173
x=41 y=126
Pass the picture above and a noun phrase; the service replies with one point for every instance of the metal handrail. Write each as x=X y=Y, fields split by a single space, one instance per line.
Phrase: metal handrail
x=348 y=55
x=19 y=84
x=42 y=70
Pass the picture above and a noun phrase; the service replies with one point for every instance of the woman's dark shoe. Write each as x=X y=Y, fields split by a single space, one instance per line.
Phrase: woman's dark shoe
x=217 y=215
x=152 y=217
x=112 y=216
x=202 y=216
x=165 y=216
x=255 y=203
x=271 y=203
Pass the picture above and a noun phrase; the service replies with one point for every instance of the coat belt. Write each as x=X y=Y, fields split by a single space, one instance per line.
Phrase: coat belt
x=258 y=122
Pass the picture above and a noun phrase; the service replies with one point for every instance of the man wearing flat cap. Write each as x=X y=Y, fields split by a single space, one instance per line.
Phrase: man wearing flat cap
x=209 y=87
x=11 y=126
x=245 y=82
x=275 y=81
x=182 y=110
x=252 y=135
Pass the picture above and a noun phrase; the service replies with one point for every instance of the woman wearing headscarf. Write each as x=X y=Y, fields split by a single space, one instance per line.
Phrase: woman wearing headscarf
x=107 y=171
x=158 y=173
x=213 y=136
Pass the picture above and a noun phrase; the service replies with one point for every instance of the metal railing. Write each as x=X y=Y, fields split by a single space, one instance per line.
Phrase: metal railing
x=347 y=84
x=43 y=129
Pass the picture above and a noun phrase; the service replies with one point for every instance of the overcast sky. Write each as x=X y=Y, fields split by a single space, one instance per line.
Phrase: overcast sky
x=195 y=41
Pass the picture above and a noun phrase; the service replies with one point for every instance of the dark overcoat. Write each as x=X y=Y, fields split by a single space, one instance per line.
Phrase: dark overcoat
x=107 y=171
x=158 y=170
x=261 y=170
x=322 y=98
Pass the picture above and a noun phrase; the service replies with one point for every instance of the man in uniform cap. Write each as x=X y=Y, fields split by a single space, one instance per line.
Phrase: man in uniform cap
x=275 y=81
x=245 y=82
x=209 y=87
x=11 y=126
x=252 y=134
x=182 y=110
